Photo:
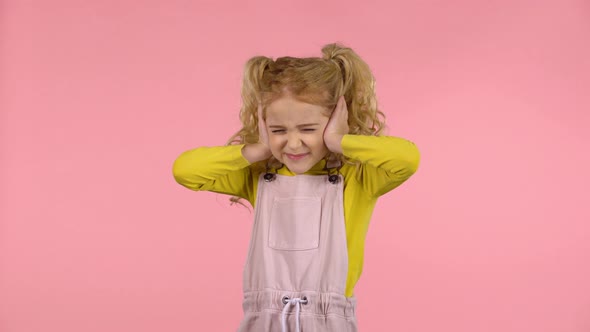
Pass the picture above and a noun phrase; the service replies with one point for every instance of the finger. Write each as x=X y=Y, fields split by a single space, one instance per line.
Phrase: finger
x=341 y=108
x=262 y=133
x=343 y=100
x=344 y=109
x=261 y=123
x=339 y=103
x=337 y=108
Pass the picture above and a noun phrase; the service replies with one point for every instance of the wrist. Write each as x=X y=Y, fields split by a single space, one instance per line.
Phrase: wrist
x=334 y=142
x=256 y=152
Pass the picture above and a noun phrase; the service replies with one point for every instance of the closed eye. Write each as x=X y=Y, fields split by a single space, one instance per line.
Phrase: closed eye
x=280 y=131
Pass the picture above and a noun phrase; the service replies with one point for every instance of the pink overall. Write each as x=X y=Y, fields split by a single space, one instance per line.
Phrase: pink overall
x=296 y=269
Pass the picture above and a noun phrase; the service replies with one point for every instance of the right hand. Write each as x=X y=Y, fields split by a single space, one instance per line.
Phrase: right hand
x=262 y=131
x=261 y=150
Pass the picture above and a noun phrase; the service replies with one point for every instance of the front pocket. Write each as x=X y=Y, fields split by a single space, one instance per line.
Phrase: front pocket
x=295 y=223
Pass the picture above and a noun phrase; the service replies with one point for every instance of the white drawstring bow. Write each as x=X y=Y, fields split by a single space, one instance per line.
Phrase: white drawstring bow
x=297 y=302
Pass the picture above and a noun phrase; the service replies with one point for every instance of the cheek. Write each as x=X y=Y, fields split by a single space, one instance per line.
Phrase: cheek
x=275 y=142
x=318 y=141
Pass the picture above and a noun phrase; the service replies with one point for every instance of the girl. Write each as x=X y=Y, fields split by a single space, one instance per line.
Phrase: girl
x=311 y=160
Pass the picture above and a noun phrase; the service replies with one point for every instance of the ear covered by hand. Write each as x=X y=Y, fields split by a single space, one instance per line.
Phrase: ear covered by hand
x=260 y=150
x=262 y=132
x=337 y=127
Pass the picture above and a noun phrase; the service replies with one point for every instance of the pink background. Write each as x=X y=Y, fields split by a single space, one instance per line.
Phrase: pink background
x=99 y=97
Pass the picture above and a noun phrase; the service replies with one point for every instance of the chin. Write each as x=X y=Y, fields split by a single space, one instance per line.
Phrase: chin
x=298 y=170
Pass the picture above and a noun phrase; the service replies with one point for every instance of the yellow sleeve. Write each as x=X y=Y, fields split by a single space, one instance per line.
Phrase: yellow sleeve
x=221 y=169
x=386 y=161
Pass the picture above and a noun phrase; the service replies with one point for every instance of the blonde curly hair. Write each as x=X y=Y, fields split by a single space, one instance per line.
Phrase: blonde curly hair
x=318 y=81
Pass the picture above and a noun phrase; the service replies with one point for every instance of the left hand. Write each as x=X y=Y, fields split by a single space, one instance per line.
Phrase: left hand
x=337 y=127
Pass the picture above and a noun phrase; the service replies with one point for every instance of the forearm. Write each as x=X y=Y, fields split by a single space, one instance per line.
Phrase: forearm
x=392 y=154
x=203 y=167
x=386 y=161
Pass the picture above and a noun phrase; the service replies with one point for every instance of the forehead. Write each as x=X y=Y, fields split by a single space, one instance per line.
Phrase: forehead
x=287 y=109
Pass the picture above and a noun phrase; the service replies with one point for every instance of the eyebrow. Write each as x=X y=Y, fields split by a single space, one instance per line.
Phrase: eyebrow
x=299 y=126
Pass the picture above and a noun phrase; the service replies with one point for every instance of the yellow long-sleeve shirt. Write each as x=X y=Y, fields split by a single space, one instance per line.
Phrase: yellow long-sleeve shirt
x=386 y=162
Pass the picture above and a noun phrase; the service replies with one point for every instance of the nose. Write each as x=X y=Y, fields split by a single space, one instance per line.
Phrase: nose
x=294 y=141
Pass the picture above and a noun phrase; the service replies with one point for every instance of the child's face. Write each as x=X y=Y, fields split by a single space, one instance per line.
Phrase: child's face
x=296 y=133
